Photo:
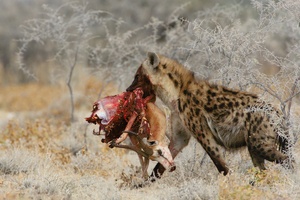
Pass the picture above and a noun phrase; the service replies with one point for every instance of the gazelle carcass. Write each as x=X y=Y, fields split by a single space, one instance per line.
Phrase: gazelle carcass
x=134 y=115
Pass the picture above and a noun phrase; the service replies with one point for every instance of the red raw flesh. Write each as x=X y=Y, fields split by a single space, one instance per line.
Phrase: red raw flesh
x=120 y=110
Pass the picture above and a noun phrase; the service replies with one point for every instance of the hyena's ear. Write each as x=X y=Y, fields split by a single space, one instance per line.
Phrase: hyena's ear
x=153 y=59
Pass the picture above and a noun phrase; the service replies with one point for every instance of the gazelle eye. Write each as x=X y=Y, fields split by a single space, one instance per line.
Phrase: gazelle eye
x=152 y=143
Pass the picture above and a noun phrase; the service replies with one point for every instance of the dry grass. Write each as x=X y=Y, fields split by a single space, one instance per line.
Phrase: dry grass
x=29 y=97
x=271 y=184
x=44 y=157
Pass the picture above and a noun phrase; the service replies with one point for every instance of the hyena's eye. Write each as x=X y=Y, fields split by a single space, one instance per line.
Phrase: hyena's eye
x=156 y=68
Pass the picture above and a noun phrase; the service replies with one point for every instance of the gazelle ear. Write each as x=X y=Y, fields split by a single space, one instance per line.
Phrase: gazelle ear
x=153 y=59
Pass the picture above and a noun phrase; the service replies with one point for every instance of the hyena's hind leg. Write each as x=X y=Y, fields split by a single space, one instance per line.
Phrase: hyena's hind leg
x=257 y=160
x=263 y=147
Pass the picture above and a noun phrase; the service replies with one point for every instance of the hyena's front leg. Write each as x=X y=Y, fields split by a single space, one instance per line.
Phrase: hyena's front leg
x=206 y=139
x=179 y=138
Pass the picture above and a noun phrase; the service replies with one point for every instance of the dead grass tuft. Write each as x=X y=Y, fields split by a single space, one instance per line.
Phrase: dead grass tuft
x=255 y=184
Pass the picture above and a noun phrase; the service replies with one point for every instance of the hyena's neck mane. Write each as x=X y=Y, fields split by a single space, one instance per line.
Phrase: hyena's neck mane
x=180 y=76
x=176 y=79
x=176 y=72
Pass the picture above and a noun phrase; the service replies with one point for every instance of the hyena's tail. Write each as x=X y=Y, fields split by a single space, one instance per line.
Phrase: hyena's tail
x=284 y=143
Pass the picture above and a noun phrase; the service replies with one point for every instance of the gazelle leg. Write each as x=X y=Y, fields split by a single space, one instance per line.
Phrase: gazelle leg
x=124 y=135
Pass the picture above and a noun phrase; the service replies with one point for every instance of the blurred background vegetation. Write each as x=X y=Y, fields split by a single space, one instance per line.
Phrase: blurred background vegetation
x=51 y=50
x=235 y=43
x=37 y=57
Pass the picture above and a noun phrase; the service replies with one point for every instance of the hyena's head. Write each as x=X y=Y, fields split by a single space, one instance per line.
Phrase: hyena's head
x=163 y=74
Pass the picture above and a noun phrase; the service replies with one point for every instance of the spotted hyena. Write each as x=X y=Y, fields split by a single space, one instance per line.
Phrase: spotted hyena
x=215 y=115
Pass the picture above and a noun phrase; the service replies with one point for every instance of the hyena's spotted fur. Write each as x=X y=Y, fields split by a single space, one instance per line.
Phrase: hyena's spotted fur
x=215 y=115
